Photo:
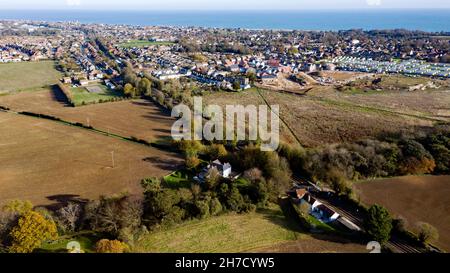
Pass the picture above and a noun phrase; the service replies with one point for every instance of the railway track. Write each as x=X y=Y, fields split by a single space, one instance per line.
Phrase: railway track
x=395 y=244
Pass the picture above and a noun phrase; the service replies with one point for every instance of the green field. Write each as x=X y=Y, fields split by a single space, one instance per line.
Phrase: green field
x=142 y=43
x=81 y=96
x=27 y=76
x=226 y=233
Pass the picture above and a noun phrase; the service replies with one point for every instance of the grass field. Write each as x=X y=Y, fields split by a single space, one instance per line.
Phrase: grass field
x=81 y=96
x=47 y=162
x=27 y=75
x=142 y=43
x=139 y=118
x=87 y=242
x=254 y=232
x=417 y=198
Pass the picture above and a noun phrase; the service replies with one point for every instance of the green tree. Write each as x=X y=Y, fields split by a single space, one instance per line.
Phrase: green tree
x=144 y=87
x=378 y=224
x=216 y=151
x=236 y=85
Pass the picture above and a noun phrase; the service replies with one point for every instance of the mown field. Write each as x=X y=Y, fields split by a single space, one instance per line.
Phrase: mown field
x=27 y=75
x=47 y=162
x=81 y=96
x=416 y=198
x=132 y=118
x=261 y=231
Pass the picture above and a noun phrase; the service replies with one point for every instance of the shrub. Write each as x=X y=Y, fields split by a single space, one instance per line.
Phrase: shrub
x=427 y=233
x=192 y=162
x=110 y=246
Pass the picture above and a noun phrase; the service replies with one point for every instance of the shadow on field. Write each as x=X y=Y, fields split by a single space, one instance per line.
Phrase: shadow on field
x=164 y=163
x=166 y=131
x=62 y=200
x=58 y=96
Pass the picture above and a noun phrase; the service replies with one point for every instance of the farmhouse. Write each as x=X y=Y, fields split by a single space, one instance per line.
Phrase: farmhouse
x=316 y=208
x=224 y=170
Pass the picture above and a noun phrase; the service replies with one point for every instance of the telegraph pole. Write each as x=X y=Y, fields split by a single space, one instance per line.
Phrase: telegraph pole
x=112 y=158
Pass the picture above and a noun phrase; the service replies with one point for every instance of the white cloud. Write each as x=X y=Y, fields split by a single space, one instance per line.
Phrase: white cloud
x=72 y=3
x=374 y=2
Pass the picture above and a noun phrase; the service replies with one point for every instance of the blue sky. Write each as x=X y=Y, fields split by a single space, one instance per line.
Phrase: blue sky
x=221 y=4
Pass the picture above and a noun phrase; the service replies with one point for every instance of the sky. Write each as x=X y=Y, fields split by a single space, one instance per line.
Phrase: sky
x=221 y=4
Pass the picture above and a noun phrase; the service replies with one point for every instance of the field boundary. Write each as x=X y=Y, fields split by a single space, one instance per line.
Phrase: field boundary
x=279 y=116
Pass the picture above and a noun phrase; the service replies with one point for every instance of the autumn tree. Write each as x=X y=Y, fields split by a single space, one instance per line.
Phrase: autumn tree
x=110 y=246
x=31 y=230
x=129 y=90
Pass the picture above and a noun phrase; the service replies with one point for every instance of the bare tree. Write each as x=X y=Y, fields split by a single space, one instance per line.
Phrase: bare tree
x=68 y=217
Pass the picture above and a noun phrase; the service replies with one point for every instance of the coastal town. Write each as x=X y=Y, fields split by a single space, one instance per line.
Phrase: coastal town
x=228 y=59
x=89 y=148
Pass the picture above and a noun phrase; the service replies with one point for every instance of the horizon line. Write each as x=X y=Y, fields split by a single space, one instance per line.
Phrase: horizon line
x=244 y=9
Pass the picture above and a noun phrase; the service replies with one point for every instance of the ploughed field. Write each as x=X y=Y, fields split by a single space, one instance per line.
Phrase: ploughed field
x=416 y=198
x=132 y=118
x=48 y=162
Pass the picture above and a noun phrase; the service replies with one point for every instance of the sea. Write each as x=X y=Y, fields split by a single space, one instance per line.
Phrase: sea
x=432 y=20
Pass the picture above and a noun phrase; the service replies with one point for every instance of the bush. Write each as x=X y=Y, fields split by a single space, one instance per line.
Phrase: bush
x=192 y=162
x=110 y=246
x=216 y=151
x=427 y=233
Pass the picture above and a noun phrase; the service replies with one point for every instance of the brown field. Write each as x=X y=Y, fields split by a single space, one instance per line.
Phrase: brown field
x=137 y=118
x=416 y=198
x=344 y=76
x=433 y=104
x=244 y=98
x=326 y=116
x=48 y=162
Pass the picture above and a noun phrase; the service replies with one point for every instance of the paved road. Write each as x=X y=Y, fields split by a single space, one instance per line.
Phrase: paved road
x=395 y=244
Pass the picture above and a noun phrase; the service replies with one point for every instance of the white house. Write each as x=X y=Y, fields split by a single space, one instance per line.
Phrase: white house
x=224 y=170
